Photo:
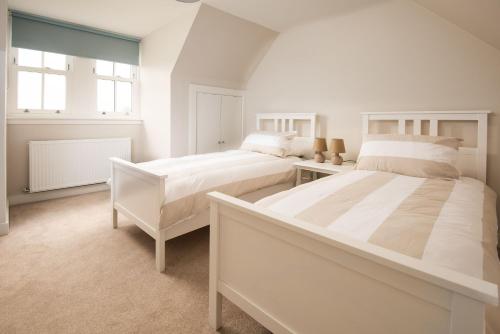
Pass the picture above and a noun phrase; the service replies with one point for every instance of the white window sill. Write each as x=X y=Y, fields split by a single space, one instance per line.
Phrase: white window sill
x=47 y=120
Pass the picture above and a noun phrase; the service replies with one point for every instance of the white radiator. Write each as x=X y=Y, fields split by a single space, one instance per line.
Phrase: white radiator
x=57 y=164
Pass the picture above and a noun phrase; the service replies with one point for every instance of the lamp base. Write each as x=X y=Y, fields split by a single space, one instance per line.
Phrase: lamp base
x=319 y=157
x=337 y=159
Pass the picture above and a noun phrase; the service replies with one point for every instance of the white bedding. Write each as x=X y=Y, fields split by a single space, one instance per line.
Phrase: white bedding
x=234 y=172
x=447 y=223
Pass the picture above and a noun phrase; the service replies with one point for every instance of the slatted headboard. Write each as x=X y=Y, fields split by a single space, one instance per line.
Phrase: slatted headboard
x=472 y=160
x=283 y=122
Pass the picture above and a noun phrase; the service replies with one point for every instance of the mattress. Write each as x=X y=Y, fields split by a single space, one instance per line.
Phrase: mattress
x=448 y=223
x=234 y=172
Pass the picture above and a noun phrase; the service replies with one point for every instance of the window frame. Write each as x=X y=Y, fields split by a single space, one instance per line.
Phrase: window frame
x=81 y=95
x=42 y=70
x=132 y=80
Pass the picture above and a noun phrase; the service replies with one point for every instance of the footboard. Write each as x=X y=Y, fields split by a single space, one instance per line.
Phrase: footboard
x=292 y=279
x=139 y=195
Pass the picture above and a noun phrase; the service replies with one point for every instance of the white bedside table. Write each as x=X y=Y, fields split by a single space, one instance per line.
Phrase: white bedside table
x=320 y=167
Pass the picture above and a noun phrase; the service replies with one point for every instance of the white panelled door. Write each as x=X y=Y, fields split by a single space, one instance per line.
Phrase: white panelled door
x=219 y=119
x=207 y=122
x=231 y=122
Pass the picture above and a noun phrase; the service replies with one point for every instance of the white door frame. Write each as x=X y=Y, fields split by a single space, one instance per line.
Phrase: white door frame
x=193 y=91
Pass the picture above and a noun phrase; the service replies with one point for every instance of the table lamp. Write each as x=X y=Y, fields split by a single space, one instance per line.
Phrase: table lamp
x=336 y=147
x=319 y=147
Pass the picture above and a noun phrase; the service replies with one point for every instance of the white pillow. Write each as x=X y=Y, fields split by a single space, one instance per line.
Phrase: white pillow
x=301 y=147
x=419 y=156
x=274 y=143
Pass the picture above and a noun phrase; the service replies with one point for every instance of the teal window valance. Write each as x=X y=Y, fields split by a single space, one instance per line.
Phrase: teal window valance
x=45 y=34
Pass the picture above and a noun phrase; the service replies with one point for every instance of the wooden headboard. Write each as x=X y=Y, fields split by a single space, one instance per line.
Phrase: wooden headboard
x=472 y=160
x=283 y=122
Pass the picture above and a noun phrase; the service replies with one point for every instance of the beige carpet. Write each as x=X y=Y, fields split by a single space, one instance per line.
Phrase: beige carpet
x=63 y=269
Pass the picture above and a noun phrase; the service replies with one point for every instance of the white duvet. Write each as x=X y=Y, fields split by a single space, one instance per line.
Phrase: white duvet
x=234 y=172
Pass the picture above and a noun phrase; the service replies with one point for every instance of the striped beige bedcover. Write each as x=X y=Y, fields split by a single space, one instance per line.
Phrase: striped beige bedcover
x=234 y=172
x=449 y=223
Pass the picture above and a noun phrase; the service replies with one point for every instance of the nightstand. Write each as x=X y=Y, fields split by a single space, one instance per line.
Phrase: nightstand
x=320 y=167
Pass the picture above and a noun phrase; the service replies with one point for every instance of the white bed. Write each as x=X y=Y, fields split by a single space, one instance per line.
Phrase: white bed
x=295 y=277
x=167 y=198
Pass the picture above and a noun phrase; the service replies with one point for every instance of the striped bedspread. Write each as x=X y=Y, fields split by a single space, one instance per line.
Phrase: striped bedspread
x=449 y=223
x=234 y=173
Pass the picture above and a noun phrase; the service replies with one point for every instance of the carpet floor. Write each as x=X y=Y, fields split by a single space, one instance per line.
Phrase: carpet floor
x=63 y=269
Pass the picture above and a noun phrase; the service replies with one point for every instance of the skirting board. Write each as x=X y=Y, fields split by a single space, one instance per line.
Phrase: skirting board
x=4 y=228
x=53 y=194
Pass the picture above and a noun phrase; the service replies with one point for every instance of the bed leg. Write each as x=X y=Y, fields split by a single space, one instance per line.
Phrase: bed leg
x=215 y=310
x=160 y=254
x=214 y=297
x=115 y=218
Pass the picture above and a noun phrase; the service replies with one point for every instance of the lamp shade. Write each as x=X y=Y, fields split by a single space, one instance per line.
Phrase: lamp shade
x=320 y=145
x=337 y=145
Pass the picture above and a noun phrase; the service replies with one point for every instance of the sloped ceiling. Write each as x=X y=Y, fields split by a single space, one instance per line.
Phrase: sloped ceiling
x=479 y=17
x=139 y=18
x=280 y=15
x=222 y=46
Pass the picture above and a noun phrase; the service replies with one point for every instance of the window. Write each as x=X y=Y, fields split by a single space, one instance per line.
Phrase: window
x=41 y=80
x=49 y=85
x=114 y=87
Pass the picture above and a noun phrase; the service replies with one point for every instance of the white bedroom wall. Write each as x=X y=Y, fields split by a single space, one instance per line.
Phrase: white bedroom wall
x=4 y=215
x=221 y=50
x=159 y=53
x=395 y=55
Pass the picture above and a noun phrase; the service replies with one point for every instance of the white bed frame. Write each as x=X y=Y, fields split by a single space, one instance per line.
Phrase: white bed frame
x=472 y=160
x=291 y=279
x=139 y=194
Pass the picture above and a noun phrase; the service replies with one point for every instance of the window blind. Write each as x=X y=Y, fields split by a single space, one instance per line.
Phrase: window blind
x=46 y=34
